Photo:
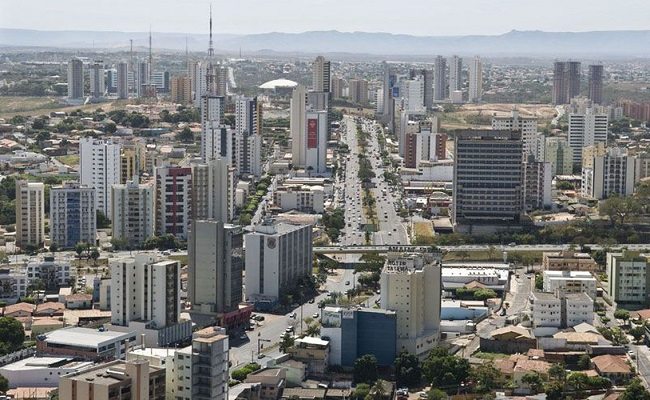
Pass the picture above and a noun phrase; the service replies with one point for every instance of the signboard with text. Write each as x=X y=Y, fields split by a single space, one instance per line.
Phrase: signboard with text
x=312 y=133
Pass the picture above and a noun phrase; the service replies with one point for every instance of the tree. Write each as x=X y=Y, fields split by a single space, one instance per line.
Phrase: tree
x=578 y=381
x=365 y=369
x=554 y=391
x=94 y=255
x=442 y=369
x=487 y=378
x=4 y=384
x=185 y=135
x=557 y=372
x=377 y=391
x=313 y=330
x=484 y=294
x=534 y=381
x=407 y=370
x=361 y=391
x=638 y=332
x=622 y=314
x=539 y=282
x=436 y=394
x=635 y=391
x=286 y=342
x=618 y=209
x=12 y=335
x=584 y=362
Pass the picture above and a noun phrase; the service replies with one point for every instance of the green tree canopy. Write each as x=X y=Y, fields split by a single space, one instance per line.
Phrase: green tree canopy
x=365 y=369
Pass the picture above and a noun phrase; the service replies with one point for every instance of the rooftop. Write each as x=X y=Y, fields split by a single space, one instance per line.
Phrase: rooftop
x=33 y=363
x=84 y=337
x=611 y=364
x=278 y=83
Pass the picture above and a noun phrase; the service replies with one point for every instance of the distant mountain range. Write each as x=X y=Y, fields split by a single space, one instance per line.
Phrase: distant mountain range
x=522 y=43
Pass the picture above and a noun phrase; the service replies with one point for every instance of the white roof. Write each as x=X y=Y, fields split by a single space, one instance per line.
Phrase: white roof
x=313 y=340
x=276 y=83
x=85 y=337
x=32 y=363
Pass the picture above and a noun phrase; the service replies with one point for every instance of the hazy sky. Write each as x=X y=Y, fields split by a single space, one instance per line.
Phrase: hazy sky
x=419 y=17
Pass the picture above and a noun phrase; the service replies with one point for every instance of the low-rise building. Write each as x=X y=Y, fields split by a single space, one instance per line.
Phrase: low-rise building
x=568 y=260
x=612 y=367
x=115 y=380
x=272 y=381
x=570 y=282
x=491 y=276
x=301 y=198
x=314 y=352
x=353 y=333
x=41 y=371
x=85 y=343
x=561 y=311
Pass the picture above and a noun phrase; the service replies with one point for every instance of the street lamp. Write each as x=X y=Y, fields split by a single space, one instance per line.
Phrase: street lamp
x=259 y=340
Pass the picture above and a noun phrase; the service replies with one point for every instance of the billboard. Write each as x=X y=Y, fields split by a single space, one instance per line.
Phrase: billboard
x=312 y=133
x=330 y=319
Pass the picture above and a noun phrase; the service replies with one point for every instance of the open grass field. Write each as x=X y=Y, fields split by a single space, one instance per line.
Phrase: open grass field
x=18 y=105
x=484 y=255
x=423 y=230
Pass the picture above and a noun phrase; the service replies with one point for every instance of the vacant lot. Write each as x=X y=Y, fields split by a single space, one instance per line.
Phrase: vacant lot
x=423 y=230
x=480 y=115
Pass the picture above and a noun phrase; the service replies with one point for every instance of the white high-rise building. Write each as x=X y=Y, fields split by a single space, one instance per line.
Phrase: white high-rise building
x=133 y=213
x=411 y=286
x=440 y=79
x=412 y=91
x=216 y=262
x=173 y=200
x=145 y=288
x=455 y=74
x=247 y=155
x=100 y=168
x=198 y=77
x=475 y=80
x=30 y=213
x=298 y=123
x=527 y=125
x=215 y=141
x=615 y=173
x=537 y=184
x=321 y=75
x=75 y=79
x=278 y=257
x=97 y=82
x=316 y=142
x=122 y=80
x=586 y=129
x=213 y=191
x=73 y=217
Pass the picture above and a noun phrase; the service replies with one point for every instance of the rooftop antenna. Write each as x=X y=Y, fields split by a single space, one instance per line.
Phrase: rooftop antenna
x=210 y=71
x=150 y=56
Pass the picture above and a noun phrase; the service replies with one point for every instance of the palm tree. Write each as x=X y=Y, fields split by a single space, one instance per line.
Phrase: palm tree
x=313 y=330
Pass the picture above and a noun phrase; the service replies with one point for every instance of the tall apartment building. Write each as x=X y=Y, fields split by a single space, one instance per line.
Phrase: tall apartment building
x=133 y=380
x=412 y=93
x=142 y=78
x=278 y=257
x=596 y=84
x=628 y=280
x=475 y=80
x=488 y=178
x=122 y=80
x=75 y=79
x=30 y=214
x=586 y=129
x=411 y=286
x=338 y=84
x=590 y=152
x=144 y=288
x=213 y=191
x=389 y=92
x=315 y=141
x=358 y=91
x=97 y=80
x=198 y=79
x=216 y=262
x=247 y=148
x=212 y=111
x=181 y=89
x=100 y=168
x=615 y=173
x=221 y=80
x=133 y=214
x=73 y=217
x=559 y=154
x=527 y=125
x=426 y=75
x=550 y=310
x=439 y=79
x=321 y=75
x=173 y=201
x=537 y=184
x=424 y=146
x=203 y=366
x=566 y=81
x=455 y=74
x=133 y=160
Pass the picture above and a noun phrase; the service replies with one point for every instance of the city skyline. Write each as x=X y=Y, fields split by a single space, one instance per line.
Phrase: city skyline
x=476 y=17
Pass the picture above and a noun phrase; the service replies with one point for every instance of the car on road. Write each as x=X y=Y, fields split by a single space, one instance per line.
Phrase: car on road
x=315 y=316
x=347 y=283
x=311 y=301
x=243 y=336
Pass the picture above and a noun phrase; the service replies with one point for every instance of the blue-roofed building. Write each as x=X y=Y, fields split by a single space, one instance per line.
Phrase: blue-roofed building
x=355 y=332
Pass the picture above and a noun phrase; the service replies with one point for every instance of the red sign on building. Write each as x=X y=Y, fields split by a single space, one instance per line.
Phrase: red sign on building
x=312 y=133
